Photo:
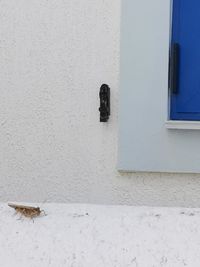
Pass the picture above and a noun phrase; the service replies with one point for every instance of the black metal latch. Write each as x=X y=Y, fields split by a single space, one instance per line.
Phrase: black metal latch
x=104 y=109
x=174 y=68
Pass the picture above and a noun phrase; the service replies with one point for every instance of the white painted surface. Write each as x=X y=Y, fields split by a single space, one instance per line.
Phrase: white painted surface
x=183 y=125
x=54 y=55
x=145 y=143
x=111 y=236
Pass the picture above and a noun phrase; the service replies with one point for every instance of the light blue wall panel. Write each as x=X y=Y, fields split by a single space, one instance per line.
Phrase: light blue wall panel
x=144 y=142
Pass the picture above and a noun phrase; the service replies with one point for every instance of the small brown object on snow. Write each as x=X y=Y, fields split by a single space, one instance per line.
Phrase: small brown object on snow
x=27 y=211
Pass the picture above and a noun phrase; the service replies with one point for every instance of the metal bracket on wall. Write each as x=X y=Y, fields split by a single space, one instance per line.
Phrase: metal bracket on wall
x=104 y=109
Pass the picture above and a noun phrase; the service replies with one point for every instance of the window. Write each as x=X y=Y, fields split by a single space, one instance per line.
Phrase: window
x=145 y=144
x=185 y=61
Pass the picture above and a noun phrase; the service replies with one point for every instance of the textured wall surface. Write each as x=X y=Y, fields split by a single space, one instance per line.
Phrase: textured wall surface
x=54 y=55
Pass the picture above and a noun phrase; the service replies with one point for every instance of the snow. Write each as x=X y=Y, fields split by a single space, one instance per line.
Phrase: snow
x=78 y=235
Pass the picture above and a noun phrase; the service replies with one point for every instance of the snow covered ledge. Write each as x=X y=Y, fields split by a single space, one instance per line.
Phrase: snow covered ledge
x=101 y=236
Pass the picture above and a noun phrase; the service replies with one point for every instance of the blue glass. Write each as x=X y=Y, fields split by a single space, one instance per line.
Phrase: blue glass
x=186 y=32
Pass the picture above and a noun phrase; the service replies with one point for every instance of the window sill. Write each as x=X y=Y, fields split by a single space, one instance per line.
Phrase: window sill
x=184 y=125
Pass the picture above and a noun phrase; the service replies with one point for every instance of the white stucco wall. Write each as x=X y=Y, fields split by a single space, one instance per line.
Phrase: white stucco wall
x=54 y=55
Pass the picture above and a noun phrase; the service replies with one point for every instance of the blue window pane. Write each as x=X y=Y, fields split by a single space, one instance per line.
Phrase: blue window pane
x=185 y=105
